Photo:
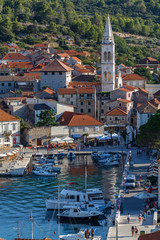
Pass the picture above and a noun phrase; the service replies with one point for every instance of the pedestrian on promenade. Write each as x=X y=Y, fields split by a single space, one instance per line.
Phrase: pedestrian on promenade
x=140 y=177
x=128 y=218
x=144 y=217
x=132 y=230
x=136 y=231
x=140 y=217
x=92 y=233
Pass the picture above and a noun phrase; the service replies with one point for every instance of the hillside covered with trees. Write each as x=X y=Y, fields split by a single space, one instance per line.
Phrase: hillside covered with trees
x=85 y=18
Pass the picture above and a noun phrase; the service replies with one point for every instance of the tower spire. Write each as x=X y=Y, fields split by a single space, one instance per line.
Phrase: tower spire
x=108 y=34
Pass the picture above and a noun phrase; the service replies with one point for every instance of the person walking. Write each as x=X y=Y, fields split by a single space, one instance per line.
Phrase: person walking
x=136 y=231
x=132 y=230
x=92 y=233
x=140 y=217
x=128 y=218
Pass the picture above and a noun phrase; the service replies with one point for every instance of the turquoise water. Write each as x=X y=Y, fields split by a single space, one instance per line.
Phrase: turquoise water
x=20 y=196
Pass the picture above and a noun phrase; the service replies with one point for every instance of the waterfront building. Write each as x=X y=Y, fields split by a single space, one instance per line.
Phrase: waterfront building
x=9 y=129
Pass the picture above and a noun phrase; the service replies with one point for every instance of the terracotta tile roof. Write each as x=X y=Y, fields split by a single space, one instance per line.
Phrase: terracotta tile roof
x=116 y=112
x=150 y=236
x=84 y=120
x=79 y=66
x=64 y=55
x=76 y=59
x=71 y=52
x=155 y=102
x=146 y=108
x=132 y=76
x=24 y=78
x=91 y=68
x=15 y=98
x=19 y=64
x=66 y=117
x=27 y=94
x=124 y=100
x=158 y=66
x=66 y=91
x=143 y=90
x=15 y=56
x=47 y=90
x=56 y=66
x=84 y=84
x=36 y=75
x=130 y=87
x=42 y=45
x=85 y=90
x=124 y=89
x=83 y=70
x=6 y=117
x=38 y=67
x=148 y=60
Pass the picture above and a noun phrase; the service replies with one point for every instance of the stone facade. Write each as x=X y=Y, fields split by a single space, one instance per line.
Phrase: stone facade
x=121 y=93
x=86 y=130
x=108 y=59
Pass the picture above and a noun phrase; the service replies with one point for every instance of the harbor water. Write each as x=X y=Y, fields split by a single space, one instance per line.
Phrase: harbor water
x=20 y=196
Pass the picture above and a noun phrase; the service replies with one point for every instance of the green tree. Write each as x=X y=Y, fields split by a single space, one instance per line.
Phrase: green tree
x=23 y=124
x=47 y=118
x=149 y=134
x=144 y=72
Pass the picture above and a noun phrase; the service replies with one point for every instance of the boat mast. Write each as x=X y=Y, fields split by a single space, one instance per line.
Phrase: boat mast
x=31 y=225
x=85 y=162
x=58 y=212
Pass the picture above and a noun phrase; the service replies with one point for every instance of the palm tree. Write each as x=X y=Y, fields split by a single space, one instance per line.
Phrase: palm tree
x=111 y=131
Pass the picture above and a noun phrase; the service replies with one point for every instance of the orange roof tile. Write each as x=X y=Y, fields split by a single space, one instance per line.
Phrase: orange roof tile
x=36 y=75
x=66 y=91
x=15 y=56
x=85 y=90
x=27 y=94
x=42 y=45
x=19 y=64
x=132 y=76
x=124 y=89
x=83 y=70
x=76 y=59
x=47 y=90
x=116 y=112
x=84 y=84
x=143 y=90
x=37 y=67
x=129 y=87
x=79 y=66
x=66 y=117
x=56 y=66
x=65 y=55
x=6 y=117
x=84 y=120
x=124 y=100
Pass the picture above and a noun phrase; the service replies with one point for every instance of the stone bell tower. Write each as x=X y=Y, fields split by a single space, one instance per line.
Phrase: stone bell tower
x=108 y=59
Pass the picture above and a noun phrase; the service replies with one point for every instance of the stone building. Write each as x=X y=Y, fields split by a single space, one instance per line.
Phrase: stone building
x=55 y=75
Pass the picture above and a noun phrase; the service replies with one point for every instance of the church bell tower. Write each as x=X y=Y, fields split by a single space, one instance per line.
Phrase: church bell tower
x=108 y=59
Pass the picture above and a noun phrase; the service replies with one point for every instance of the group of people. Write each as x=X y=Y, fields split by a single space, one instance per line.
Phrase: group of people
x=87 y=233
x=134 y=231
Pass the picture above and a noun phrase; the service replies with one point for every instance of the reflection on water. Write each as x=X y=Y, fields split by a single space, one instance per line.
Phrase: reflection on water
x=19 y=196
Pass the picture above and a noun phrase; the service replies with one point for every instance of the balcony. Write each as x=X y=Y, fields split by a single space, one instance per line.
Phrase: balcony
x=7 y=133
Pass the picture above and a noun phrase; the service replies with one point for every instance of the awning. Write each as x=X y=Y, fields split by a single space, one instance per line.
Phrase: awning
x=94 y=135
x=76 y=135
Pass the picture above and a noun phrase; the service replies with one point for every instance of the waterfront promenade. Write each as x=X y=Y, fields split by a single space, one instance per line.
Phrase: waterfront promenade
x=133 y=205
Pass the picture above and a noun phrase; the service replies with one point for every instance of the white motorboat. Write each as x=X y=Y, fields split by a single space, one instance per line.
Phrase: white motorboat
x=76 y=214
x=104 y=160
x=111 y=163
x=78 y=236
x=60 y=154
x=68 y=197
x=47 y=167
x=71 y=155
x=50 y=158
x=44 y=173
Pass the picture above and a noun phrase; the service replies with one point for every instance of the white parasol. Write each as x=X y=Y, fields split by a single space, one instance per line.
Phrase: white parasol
x=144 y=195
